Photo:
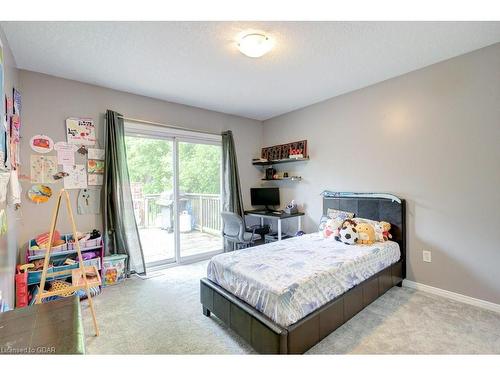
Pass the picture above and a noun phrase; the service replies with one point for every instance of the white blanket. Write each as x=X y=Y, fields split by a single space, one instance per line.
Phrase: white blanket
x=288 y=280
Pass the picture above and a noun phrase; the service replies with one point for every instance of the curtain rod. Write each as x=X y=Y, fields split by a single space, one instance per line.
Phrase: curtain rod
x=165 y=125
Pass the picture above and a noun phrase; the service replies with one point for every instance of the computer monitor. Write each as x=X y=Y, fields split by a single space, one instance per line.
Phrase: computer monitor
x=265 y=196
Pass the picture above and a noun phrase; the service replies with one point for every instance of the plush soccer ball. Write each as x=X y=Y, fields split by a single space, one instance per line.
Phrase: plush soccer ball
x=348 y=233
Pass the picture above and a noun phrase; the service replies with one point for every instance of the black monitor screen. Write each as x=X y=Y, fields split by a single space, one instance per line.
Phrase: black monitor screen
x=265 y=196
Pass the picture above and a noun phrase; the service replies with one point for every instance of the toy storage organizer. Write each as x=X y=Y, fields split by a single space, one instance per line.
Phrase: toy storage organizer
x=28 y=280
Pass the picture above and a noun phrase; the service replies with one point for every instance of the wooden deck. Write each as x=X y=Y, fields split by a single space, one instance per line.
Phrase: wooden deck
x=158 y=244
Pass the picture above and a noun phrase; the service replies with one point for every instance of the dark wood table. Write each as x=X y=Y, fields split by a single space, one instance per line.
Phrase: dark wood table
x=49 y=328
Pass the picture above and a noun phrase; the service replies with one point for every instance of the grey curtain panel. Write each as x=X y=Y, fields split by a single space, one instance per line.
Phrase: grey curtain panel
x=231 y=188
x=121 y=235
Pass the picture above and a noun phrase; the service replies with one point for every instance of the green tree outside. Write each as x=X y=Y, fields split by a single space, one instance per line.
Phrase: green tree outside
x=150 y=163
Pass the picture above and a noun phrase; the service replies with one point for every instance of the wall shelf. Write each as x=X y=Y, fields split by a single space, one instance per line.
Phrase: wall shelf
x=293 y=178
x=280 y=161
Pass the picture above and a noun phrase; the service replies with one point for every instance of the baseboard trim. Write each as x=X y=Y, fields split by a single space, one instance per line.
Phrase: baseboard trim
x=452 y=295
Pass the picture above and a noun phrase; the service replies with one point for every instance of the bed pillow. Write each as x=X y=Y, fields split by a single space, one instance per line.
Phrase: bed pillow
x=338 y=214
x=322 y=223
x=380 y=227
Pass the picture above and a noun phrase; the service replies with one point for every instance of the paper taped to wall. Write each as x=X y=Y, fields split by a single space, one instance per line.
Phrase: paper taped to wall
x=65 y=153
x=80 y=131
x=95 y=166
x=77 y=176
x=95 y=179
x=43 y=168
x=95 y=153
x=41 y=143
x=89 y=201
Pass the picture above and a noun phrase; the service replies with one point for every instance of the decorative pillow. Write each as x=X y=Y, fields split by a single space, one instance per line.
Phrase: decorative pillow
x=381 y=228
x=331 y=228
x=322 y=223
x=348 y=233
x=338 y=214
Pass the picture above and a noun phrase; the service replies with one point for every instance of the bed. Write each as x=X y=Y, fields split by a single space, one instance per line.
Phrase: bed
x=286 y=296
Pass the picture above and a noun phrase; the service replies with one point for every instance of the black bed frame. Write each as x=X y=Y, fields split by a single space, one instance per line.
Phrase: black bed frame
x=267 y=337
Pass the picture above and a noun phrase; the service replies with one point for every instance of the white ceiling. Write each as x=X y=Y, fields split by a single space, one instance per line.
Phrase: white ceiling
x=198 y=64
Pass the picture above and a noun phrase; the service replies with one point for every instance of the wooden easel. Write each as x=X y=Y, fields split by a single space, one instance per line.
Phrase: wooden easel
x=70 y=289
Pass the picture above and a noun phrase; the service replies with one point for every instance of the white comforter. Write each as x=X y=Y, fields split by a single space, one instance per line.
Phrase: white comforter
x=289 y=279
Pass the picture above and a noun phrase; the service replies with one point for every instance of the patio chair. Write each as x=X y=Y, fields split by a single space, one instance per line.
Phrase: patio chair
x=234 y=231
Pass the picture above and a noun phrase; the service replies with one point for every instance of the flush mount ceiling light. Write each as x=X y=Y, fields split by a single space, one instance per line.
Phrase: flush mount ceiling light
x=255 y=44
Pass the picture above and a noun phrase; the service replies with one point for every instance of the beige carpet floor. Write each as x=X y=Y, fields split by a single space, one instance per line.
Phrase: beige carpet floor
x=162 y=315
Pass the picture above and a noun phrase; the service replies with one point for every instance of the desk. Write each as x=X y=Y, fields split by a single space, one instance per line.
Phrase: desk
x=275 y=216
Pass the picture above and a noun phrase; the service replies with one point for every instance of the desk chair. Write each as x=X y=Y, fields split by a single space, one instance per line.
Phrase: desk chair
x=234 y=231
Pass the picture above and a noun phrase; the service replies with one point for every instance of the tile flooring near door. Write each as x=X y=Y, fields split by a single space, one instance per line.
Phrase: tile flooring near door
x=163 y=315
x=158 y=244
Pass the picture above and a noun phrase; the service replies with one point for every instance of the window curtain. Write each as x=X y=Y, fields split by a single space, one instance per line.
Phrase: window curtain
x=121 y=235
x=231 y=188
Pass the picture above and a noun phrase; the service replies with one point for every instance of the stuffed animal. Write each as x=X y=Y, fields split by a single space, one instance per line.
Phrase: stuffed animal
x=331 y=228
x=348 y=233
x=366 y=233
x=386 y=227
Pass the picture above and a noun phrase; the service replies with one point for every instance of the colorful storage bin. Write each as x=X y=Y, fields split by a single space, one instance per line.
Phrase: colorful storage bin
x=95 y=262
x=96 y=242
x=114 y=269
x=34 y=277
x=35 y=250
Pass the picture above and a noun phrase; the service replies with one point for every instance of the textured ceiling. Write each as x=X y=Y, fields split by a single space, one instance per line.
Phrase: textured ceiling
x=198 y=64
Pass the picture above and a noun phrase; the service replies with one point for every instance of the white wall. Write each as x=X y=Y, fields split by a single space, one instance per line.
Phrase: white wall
x=432 y=137
x=48 y=101
x=8 y=243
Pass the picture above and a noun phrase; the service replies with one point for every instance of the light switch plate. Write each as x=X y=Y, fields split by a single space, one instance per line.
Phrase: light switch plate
x=426 y=256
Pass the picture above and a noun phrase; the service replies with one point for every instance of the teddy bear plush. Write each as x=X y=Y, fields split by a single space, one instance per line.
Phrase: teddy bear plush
x=386 y=227
x=366 y=233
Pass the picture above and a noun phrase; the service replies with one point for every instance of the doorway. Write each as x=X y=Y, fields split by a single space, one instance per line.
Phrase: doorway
x=175 y=178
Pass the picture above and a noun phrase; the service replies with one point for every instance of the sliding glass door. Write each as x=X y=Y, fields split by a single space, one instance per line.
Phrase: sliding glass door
x=176 y=180
x=151 y=168
x=199 y=198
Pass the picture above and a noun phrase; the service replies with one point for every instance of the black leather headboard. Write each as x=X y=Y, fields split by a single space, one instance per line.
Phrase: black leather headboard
x=376 y=209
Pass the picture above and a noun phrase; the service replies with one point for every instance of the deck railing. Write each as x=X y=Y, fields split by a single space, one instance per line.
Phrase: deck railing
x=204 y=210
x=152 y=211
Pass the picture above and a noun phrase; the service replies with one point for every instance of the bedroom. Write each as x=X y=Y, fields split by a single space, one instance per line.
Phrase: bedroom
x=281 y=187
